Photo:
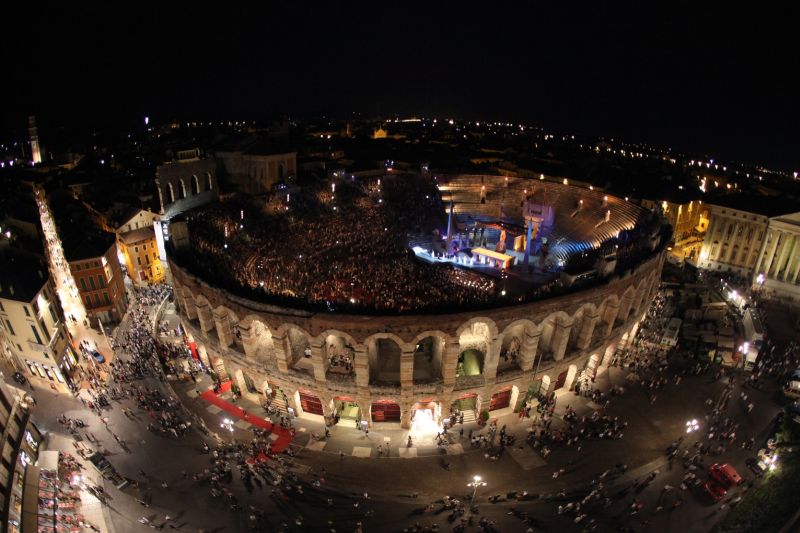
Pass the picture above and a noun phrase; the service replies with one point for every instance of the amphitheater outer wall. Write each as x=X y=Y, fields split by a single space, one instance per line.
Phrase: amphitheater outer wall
x=555 y=341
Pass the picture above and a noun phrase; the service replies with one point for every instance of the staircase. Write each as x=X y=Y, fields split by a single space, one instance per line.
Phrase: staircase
x=280 y=405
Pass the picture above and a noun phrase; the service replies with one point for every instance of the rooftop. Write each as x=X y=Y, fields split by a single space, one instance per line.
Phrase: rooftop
x=137 y=235
x=22 y=274
x=768 y=206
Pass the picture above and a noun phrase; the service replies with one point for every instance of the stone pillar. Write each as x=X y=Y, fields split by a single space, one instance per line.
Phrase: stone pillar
x=452 y=349
x=625 y=308
x=249 y=340
x=560 y=339
x=771 y=256
x=609 y=317
x=527 y=351
x=587 y=330
x=319 y=362
x=224 y=329
x=491 y=360
x=407 y=367
x=206 y=317
x=190 y=308
x=361 y=366
x=280 y=347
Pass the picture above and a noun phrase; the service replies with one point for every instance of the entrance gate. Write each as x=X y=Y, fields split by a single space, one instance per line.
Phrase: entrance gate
x=310 y=403
x=385 y=411
x=500 y=400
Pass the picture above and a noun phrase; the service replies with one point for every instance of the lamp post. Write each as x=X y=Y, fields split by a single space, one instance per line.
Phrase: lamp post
x=476 y=482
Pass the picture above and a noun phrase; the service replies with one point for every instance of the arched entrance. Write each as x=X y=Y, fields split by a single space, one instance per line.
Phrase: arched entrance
x=300 y=351
x=385 y=411
x=425 y=415
x=474 y=345
x=384 y=361
x=345 y=408
x=339 y=357
x=428 y=359
x=309 y=403
x=504 y=398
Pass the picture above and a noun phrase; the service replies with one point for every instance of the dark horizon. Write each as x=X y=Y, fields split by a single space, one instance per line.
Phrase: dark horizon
x=701 y=81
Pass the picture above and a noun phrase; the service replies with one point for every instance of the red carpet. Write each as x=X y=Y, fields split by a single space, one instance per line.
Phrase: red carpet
x=284 y=436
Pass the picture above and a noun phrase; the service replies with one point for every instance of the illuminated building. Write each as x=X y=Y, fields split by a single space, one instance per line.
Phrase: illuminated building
x=20 y=447
x=139 y=250
x=98 y=276
x=35 y=338
x=36 y=153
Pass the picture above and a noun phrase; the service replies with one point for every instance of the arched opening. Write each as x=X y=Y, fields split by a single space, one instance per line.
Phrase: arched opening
x=245 y=382
x=428 y=359
x=511 y=347
x=548 y=342
x=208 y=183
x=474 y=345
x=195 y=185
x=345 y=408
x=466 y=406
x=170 y=193
x=182 y=188
x=504 y=398
x=385 y=411
x=299 y=351
x=384 y=361
x=261 y=339
x=309 y=403
x=339 y=358
x=425 y=415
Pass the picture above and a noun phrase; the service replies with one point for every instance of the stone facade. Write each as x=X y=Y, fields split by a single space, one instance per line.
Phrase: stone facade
x=407 y=359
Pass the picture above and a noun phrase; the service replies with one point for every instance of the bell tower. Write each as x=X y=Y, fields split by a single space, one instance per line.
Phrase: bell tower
x=33 y=133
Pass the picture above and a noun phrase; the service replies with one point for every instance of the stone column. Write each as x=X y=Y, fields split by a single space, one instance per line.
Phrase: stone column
x=318 y=360
x=206 y=317
x=527 y=351
x=450 y=361
x=785 y=245
x=224 y=329
x=609 y=317
x=560 y=339
x=407 y=367
x=587 y=329
x=361 y=366
x=625 y=308
x=491 y=360
x=190 y=309
x=280 y=347
x=249 y=341
x=771 y=256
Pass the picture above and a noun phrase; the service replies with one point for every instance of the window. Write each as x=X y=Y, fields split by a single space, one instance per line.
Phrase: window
x=36 y=334
x=9 y=328
x=77 y=267
x=83 y=284
x=88 y=301
x=139 y=261
x=91 y=282
x=27 y=313
x=101 y=280
x=44 y=330
x=2 y=308
x=105 y=298
x=97 y=264
x=96 y=301
x=52 y=314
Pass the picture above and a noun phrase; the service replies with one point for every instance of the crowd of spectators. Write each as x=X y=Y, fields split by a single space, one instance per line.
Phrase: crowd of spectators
x=343 y=250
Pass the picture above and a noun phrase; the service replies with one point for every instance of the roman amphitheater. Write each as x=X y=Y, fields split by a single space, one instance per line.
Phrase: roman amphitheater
x=390 y=368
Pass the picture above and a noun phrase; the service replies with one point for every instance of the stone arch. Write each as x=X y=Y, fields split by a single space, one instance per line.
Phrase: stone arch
x=209 y=185
x=512 y=342
x=384 y=353
x=338 y=351
x=429 y=355
x=298 y=348
x=475 y=341
x=584 y=311
x=626 y=304
x=169 y=192
x=555 y=334
x=195 y=184
x=256 y=337
x=607 y=315
x=182 y=188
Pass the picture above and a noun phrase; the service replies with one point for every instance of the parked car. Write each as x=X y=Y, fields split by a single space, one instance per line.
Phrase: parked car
x=19 y=378
x=725 y=475
x=98 y=356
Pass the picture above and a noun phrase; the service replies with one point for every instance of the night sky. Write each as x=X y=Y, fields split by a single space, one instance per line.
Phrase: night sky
x=718 y=81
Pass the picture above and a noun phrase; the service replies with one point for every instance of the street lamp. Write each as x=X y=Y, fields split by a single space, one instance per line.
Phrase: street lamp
x=476 y=482
x=692 y=425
